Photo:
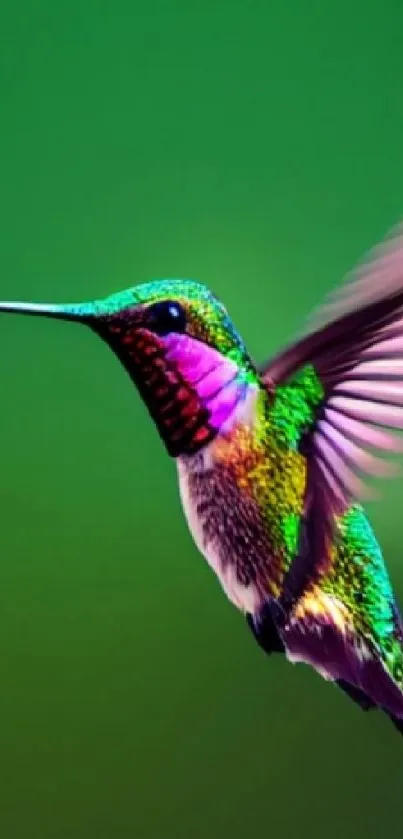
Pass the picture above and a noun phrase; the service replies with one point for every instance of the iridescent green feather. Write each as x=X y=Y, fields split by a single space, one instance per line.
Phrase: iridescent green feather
x=359 y=579
x=294 y=408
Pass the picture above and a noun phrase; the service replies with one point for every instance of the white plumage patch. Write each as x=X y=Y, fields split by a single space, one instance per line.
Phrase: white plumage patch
x=244 y=598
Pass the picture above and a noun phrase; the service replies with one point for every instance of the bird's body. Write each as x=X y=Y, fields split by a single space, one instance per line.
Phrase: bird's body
x=243 y=497
x=269 y=459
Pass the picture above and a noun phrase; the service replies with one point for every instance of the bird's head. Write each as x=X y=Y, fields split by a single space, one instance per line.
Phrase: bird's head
x=179 y=346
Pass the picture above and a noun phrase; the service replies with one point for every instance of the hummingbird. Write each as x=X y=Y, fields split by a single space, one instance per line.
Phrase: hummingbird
x=275 y=460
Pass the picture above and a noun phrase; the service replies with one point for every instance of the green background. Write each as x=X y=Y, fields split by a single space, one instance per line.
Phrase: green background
x=257 y=147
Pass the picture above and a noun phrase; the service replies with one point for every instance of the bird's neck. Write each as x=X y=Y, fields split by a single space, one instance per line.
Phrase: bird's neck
x=267 y=421
x=243 y=432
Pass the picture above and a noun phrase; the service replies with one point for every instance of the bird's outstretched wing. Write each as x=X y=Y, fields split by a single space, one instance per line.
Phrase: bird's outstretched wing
x=357 y=354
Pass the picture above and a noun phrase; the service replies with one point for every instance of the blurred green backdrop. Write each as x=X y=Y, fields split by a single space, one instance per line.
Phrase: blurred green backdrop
x=256 y=147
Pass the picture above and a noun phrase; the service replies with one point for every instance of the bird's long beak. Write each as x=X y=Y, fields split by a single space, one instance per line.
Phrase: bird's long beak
x=80 y=312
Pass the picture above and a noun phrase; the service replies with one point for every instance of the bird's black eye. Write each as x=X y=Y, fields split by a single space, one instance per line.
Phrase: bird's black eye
x=167 y=316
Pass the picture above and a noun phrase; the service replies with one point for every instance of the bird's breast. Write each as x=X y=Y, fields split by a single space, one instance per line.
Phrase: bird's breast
x=243 y=498
x=226 y=530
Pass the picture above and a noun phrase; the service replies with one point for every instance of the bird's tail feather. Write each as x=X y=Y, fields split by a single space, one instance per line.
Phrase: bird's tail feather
x=366 y=703
x=397 y=722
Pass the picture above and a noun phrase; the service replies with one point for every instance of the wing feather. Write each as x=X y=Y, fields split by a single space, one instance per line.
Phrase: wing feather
x=357 y=353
